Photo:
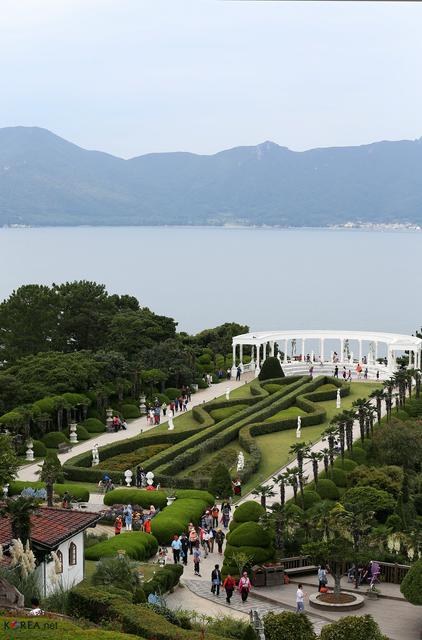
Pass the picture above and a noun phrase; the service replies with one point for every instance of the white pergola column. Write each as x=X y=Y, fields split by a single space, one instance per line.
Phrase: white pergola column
x=360 y=350
x=272 y=345
x=264 y=352
x=234 y=370
x=258 y=355
x=376 y=353
x=341 y=350
x=285 y=351
x=241 y=356
x=303 y=350
x=322 y=348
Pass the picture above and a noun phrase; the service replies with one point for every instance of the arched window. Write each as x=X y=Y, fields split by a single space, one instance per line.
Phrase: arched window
x=60 y=559
x=72 y=554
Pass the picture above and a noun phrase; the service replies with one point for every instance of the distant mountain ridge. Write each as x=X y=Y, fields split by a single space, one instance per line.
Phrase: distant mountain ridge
x=46 y=180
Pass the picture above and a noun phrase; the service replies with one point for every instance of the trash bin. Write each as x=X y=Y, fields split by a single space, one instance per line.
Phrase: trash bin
x=258 y=576
x=274 y=575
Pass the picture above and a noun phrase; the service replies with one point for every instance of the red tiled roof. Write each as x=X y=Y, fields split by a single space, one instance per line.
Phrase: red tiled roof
x=51 y=526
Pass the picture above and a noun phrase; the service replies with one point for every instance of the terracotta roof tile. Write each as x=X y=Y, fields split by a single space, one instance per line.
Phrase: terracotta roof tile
x=51 y=526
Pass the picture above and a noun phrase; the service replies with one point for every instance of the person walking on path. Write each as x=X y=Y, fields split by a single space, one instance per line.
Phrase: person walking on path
x=128 y=517
x=229 y=585
x=244 y=586
x=118 y=525
x=193 y=537
x=219 y=538
x=196 y=559
x=238 y=372
x=216 y=580
x=176 y=546
x=164 y=408
x=322 y=577
x=300 y=599
x=184 y=547
x=215 y=511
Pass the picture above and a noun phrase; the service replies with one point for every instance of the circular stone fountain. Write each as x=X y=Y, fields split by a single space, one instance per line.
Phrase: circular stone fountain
x=345 y=602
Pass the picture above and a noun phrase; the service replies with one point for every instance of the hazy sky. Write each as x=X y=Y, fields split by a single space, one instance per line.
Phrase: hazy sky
x=135 y=76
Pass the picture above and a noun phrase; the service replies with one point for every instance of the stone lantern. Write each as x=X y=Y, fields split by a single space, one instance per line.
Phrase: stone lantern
x=30 y=451
x=142 y=405
x=73 y=434
x=109 y=419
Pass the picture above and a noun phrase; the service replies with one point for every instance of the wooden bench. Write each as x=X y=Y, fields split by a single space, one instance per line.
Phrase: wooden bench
x=63 y=447
x=294 y=571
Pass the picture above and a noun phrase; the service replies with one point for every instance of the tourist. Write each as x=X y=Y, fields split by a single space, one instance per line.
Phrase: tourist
x=196 y=559
x=193 y=537
x=185 y=404
x=336 y=371
x=128 y=517
x=151 y=416
x=208 y=520
x=66 y=500
x=378 y=375
x=164 y=408
x=349 y=376
x=237 y=487
x=123 y=424
x=216 y=580
x=365 y=375
x=157 y=414
x=322 y=577
x=176 y=546
x=311 y=372
x=204 y=537
x=244 y=586
x=115 y=424
x=300 y=599
x=176 y=404
x=162 y=556
x=139 y=472
x=225 y=517
x=211 y=534
x=118 y=525
x=215 y=511
x=229 y=585
x=35 y=608
x=344 y=374
x=184 y=547
x=238 y=372
x=229 y=374
x=359 y=371
x=147 y=525
x=189 y=394
x=219 y=538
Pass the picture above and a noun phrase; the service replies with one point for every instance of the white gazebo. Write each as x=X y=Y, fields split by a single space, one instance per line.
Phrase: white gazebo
x=298 y=350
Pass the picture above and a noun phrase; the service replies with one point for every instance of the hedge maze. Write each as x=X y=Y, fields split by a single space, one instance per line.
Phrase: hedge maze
x=186 y=448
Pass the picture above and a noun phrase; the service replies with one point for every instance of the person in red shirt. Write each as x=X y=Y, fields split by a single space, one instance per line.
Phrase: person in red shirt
x=229 y=586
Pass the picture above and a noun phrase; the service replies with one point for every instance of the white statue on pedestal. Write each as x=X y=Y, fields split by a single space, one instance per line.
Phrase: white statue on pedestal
x=73 y=434
x=30 y=451
x=228 y=393
x=170 y=421
x=95 y=455
x=299 y=427
x=150 y=478
x=128 y=477
x=338 y=401
x=240 y=461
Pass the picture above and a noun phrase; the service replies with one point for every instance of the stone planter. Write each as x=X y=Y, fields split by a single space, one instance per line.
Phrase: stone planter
x=170 y=500
x=354 y=601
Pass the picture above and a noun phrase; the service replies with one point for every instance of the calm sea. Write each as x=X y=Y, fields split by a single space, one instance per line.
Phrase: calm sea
x=266 y=278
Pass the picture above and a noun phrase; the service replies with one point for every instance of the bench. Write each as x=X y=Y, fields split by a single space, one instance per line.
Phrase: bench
x=63 y=447
x=310 y=568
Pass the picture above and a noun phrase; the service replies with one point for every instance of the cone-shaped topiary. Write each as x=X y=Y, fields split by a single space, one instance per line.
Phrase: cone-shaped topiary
x=411 y=587
x=249 y=534
x=271 y=368
x=221 y=483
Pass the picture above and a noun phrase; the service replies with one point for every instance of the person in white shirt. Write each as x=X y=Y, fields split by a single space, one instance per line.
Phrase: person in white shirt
x=36 y=610
x=300 y=599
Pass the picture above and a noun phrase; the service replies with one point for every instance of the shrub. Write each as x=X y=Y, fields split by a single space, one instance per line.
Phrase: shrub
x=386 y=478
x=411 y=587
x=93 y=425
x=164 y=579
x=413 y=407
x=221 y=483
x=226 y=412
x=82 y=433
x=249 y=511
x=347 y=464
x=78 y=492
x=136 y=496
x=327 y=489
x=271 y=387
x=44 y=628
x=136 y=544
x=288 y=625
x=172 y=393
x=115 y=571
x=258 y=555
x=370 y=499
x=358 y=455
x=40 y=450
x=309 y=497
x=125 y=461
x=53 y=439
x=91 y=603
x=417 y=502
x=270 y=369
x=249 y=534
x=130 y=411
x=175 y=518
x=352 y=628
x=338 y=476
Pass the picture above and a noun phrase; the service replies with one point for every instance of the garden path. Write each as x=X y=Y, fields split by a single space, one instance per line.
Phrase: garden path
x=29 y=472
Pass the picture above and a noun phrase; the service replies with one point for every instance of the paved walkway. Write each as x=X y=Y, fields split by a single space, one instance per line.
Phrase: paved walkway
x=28 y=472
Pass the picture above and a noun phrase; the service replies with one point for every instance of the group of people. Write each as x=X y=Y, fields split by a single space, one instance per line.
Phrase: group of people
x=119 y=424
x=155 y=409
x=138 y=520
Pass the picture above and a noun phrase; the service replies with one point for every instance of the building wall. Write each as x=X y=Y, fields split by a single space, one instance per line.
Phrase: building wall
x=50 y=581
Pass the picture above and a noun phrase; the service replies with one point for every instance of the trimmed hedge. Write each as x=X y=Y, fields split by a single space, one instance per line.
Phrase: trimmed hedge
x=172 y=393
x=40 y=450
x=310 y=498
x=327 y=489
x=175 y=518
x=93 y=425
x=280 y=626
x=136 y=544
x=338 y=476
x=352 y=628
x=357 y=455
x=347 y=464
x=79 y=493
x=53 y=439
x=411 y=587
x=145 y=498
x=271 y=368
x=130 y=411
x=259 y=554
x=164 y=579
x=249 y=511
x=41 y=630
x=249 y=534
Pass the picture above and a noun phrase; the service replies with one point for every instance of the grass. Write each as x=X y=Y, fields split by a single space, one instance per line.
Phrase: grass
x=147 y=569
x=241 y=392
x=222 y=414
x=291 y=412
x=275 y=446
x=207 y=463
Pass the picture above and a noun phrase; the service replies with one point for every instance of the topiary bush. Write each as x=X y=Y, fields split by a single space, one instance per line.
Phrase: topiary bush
x=249 y=534
x=172 y=393
x=53 y=439
x=221 y=483
x=82 y=433
x=40 y=450
x=130 y=411
x=347 y=464
x=338 y=476
x=76 y=491
x=358 y=455
x=271 y=369
x=310 y=498
x=136 y=496
x=93 y=425
x=352 y=628
x=411 y=587
x=327 y=489
x=287 y=624
x=249 y=511
x=136 y=544
x=371 y=499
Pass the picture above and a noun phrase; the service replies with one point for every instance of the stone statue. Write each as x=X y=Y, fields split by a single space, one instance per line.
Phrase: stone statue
x=240 y=461
x=228 y=393
x=338 y=401
x=170 y=420
x=95 y=455
x=299 y=427
x=150 y=478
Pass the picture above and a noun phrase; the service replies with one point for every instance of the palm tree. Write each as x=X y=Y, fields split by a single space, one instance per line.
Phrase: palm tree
x=417 y=383
x=326 y=458
x=293 y=480
x=321 y=518
x=281 y=480
x=19 y=511
x=264 y=491
x=340 y=422
x=388 y=386
x=399 y=379
x=378 y=395
x=300 y=449
x=315 y=457
x=330 y=435
x=350 y=417
x=361 y=405
x=49 y=473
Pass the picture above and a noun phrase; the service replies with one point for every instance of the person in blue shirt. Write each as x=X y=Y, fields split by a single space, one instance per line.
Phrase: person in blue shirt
x=176 y=545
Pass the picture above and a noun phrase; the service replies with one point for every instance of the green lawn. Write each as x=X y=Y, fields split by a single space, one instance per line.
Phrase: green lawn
x=222 y=414
x=147 y=569
x=241 y=392
x=275 y=446
x=291 y=412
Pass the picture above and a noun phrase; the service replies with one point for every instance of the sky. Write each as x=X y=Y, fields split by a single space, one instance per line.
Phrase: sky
x=137 y=76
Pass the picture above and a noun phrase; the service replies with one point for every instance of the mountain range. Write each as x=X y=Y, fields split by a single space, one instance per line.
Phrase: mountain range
x=46 y=180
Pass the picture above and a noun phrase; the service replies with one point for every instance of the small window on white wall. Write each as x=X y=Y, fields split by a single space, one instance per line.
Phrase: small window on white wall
x=73 y=557
x=60 y=559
